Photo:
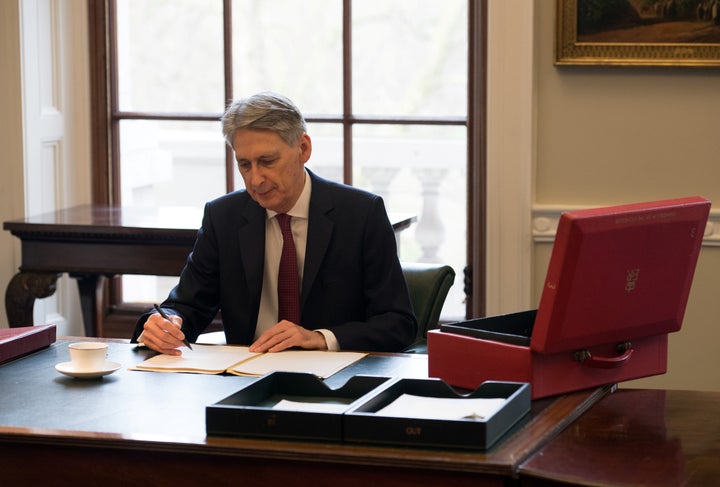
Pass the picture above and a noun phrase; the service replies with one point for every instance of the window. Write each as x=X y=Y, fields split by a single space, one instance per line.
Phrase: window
x=383 y=85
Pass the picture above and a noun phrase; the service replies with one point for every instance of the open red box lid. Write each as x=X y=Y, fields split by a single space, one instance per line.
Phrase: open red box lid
x=619 y=273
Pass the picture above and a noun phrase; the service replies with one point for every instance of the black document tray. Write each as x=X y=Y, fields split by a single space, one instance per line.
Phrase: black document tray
x=249 y=412
x=362 y=425
x=513 y=328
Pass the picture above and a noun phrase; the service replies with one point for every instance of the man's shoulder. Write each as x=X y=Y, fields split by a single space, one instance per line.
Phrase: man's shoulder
x=230 y=199
x=332 y=188
x=236 y=206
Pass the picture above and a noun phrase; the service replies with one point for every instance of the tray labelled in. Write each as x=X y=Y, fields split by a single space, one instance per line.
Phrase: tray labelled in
x=363 y=423
x=314 y=411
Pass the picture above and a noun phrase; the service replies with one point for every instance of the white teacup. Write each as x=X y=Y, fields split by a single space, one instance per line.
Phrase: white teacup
x=88 y=356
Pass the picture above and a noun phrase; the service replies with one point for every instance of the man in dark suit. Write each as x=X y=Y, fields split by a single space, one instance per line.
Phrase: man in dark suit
x=352 y=293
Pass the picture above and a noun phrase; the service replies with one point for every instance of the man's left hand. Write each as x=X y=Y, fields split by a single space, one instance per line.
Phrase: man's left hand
x=287 y=334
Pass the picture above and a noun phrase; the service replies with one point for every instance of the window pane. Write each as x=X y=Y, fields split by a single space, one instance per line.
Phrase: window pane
x=170 y=55
x=327 y=151
x=171 y=163
x=291 y=47
x=147 y=289
x=421 y=170
x=410 y=57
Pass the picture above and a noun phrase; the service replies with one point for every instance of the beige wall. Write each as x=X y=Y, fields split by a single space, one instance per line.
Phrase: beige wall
x=11 y=135
x=610 y=135
x=44 y=132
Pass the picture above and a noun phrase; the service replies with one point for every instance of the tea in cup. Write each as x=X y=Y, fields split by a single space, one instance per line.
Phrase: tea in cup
x=88 y=356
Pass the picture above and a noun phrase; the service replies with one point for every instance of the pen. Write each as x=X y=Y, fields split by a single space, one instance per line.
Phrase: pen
x=162 y=313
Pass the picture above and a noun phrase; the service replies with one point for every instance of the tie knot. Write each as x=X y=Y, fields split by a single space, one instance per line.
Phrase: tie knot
x=284 y=221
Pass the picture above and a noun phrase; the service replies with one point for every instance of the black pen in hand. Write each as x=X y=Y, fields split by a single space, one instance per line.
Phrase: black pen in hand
x=162 y=313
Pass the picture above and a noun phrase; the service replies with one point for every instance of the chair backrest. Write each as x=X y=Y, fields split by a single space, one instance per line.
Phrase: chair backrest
x=428 y=285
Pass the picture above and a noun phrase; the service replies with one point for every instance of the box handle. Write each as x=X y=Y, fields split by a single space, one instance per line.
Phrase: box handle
x=624 y=352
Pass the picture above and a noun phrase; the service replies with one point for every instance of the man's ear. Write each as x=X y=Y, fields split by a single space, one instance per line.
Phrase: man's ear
x=305 y=148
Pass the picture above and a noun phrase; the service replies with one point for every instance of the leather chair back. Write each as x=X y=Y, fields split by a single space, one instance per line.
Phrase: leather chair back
x=428 y=285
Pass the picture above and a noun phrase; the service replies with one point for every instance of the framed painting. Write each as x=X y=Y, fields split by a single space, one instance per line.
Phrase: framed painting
x=638 y=32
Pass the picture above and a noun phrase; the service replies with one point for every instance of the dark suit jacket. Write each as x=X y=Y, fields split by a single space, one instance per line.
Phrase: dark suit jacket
x=352 y=283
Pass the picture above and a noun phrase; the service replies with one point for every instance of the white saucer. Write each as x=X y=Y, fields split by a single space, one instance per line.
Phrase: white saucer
x=67 y=369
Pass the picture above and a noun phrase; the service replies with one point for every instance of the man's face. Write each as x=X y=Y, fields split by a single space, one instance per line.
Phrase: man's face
x=273 y=171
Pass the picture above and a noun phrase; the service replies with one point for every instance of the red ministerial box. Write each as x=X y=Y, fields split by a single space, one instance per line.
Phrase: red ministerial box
x=617 y=283
x=16 y=342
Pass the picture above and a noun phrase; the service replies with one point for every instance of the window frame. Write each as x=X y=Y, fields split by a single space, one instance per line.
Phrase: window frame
x=106 y=118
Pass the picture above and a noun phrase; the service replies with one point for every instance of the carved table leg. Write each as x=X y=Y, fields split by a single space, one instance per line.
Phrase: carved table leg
x=91 y=288
x=21 y=293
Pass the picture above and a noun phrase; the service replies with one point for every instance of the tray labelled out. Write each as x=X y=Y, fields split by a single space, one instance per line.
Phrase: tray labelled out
x=364 y=423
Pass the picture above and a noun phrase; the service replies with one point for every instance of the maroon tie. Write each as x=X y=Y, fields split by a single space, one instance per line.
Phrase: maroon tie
x=288 y=281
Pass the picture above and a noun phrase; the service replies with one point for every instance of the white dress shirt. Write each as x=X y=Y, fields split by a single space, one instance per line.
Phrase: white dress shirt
x=268 y=313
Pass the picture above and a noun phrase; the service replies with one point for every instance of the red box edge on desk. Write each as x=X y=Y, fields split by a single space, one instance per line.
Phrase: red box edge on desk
x=17 y=342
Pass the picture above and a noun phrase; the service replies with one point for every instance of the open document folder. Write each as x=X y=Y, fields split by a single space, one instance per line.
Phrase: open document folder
x=216 y=359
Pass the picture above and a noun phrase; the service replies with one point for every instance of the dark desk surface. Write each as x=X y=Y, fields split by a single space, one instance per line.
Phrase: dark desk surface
x=636 y=437
x=129 y=401
x=147 y=426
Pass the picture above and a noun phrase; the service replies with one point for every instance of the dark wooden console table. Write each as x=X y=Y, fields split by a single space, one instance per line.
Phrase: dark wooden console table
x=91 y=243
x=635 y=437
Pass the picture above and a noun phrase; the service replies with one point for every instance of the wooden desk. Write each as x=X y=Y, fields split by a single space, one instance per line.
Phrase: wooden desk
x=636 y=437
x=91 y=243
x=148 y=428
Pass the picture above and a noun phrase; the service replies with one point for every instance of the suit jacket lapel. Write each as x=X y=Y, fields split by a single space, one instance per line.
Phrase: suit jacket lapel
x=251 y=241
x=320 y=229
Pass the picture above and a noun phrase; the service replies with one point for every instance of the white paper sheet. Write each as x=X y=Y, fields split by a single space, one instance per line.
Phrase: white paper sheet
x=314 y=407
x=413 y=406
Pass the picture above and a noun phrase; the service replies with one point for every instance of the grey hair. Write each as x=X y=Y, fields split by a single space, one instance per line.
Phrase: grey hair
x=264 y=111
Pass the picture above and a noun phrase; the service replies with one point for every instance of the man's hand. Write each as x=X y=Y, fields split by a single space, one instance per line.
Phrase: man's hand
x=162 y=335
x=287 y=335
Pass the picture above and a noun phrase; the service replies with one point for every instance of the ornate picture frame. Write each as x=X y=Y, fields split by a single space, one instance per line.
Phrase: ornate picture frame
x=638 y=32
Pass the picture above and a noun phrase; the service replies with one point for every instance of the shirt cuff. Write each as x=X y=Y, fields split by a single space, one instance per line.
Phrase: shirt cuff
x=330 y=340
